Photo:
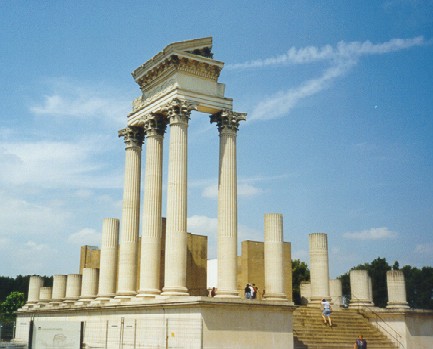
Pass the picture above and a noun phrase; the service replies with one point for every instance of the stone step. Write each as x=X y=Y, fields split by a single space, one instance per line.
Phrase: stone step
x=310 y=332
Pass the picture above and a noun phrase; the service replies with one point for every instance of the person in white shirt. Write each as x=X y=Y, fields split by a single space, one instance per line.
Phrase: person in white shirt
x=326 y=312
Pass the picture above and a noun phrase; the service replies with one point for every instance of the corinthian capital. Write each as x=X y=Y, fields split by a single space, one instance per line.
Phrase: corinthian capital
x=154 y=124
x=178 y=111
x=133 y=136
x=228 y=120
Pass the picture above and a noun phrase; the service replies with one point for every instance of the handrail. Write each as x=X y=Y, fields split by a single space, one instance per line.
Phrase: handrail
x=393 y=334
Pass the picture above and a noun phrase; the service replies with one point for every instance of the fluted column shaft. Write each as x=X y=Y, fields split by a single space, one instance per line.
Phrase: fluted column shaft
x=89 y=284
x=274 y=257
x=228 y=123
x=59 y=288
x=336 y=292
x=35 y=284
x=359 y=288
x=154 y=127
x=108 y=259
x=396 y=289
x=178 y=113
x=73 y=288
x=127 y=273
x=319 y=269
x=45 y=295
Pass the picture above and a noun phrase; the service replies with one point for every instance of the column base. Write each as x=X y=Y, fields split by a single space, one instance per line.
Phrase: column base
x=148 y=293
x=360 y=304
x=174 y=291
x=104 y=298
x=121 y=299
x=391 y=305
x=227 y=294
x=281 y=297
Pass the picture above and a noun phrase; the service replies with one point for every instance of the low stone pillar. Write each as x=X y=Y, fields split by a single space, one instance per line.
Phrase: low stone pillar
x=319 y=269
x=305 y=292
x=108 y=259
x=35 y=284
x=89 y=284
x=396 y=290
x=336 y=292
x=73 y=288
x=359 y=289
x=274 y=253
x=45 y=295
x=59 y=289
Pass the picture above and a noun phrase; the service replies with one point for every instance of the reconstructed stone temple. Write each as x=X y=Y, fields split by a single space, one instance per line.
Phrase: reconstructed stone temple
x=133 y=292
x=149 y=291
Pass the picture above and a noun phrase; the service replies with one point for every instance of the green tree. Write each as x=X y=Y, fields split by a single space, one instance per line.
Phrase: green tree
x=377 y=270
x=300 y=272
x=10 y=305
x=419 y=286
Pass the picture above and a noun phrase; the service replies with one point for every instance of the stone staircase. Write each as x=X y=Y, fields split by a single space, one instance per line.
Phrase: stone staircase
x=310 y=332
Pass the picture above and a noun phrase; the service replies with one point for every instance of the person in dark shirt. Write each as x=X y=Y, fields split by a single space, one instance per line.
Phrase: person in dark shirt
x=360 y=343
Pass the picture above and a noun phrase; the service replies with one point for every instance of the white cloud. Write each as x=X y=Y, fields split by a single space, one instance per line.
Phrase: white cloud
x=371 y=234
x=344 y=51
x=281 y=103
x=32 y=256
x=210 y=192
x=85 y=236
x=56 y=164
x=20 y=216
x=341 y=59
x=244 y=190
x=248 y=190
x=73 y=99
x=202 y=225
x=424 y=249
x=32 y=246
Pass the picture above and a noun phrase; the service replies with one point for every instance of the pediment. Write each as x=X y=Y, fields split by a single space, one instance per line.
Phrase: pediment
x=199 y=50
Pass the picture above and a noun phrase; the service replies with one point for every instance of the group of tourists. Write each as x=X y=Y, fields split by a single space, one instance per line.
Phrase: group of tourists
x=251 y=291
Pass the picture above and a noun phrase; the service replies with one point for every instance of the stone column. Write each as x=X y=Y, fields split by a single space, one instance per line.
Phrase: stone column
x=227 y=122
x=154 y=127
x=336 y=292
x=319 y=270
x=359 y=289
x=396 y=290
x=45 y=295
x=127 y=272
x=305 y=292
x=108 y=259
x=274 y=256
x=73 y=288
x=89 y=284
x=59 y=289
x=35 y=284
x=178 y=113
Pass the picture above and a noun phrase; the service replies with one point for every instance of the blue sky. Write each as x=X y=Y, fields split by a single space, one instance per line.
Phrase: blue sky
x=339 y=97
